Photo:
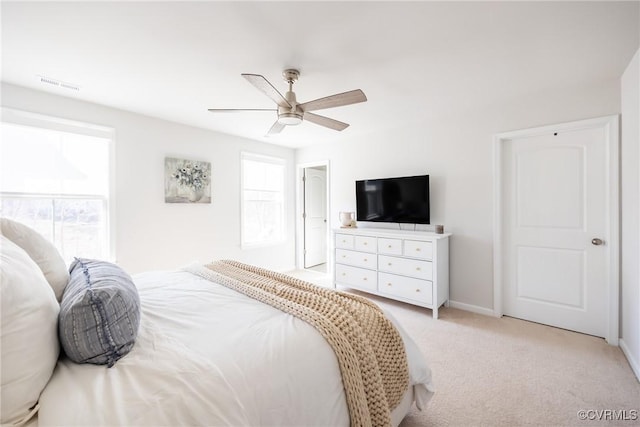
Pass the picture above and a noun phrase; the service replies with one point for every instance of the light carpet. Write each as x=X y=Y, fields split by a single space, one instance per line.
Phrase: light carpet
x=509 y=372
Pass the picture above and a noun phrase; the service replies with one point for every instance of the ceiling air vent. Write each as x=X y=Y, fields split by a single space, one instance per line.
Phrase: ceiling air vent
x=54 y=82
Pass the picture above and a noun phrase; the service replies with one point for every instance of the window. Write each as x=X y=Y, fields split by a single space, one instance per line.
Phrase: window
x=262 y=207
x=55 y=178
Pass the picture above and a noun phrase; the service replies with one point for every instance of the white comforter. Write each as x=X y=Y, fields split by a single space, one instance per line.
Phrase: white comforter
x=207 y=355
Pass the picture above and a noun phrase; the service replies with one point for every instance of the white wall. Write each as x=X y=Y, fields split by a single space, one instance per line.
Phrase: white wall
x=151 y=234
x=630 y=221
x=456 y=152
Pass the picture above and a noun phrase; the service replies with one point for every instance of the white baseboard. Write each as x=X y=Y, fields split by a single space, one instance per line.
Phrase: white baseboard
x=472 y=308
x=635 y=366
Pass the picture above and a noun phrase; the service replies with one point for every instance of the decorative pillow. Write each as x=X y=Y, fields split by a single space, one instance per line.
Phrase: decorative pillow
x=41 y=251
x=28 y=333
x=99 y=313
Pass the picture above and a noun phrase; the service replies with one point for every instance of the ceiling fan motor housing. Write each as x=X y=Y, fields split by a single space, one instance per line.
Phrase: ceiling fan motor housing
x=290 y=116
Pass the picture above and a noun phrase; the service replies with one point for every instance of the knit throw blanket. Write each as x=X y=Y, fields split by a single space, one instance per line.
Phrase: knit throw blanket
x=370 y=351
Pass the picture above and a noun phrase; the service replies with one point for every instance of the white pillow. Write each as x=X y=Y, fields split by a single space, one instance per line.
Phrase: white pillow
x=41 y=251
x=28 y=333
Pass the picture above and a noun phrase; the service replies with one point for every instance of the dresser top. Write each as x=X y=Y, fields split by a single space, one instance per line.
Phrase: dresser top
x=390 y=233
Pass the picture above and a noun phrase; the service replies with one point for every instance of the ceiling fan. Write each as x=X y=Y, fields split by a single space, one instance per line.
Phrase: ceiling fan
x=289 y=111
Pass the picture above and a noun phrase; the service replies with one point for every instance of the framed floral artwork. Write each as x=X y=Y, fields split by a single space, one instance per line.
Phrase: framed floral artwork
x=187 y=181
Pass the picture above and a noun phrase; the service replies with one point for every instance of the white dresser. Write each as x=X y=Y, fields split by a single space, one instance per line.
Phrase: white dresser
x=409 y=266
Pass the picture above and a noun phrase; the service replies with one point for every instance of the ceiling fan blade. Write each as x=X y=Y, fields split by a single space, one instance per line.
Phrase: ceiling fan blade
x=275 y=129
x=337 y=100
x=267 y=88
x=233 y=110
x=325 y=121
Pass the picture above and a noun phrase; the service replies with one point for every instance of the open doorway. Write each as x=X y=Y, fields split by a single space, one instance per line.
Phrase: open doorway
x=313 y=208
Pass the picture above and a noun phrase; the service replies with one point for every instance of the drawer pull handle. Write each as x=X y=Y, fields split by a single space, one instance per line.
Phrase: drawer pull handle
x=417 y=249
x=418 y=268
x=344 y=256
x=344 y=274
x=389 y=263
x=365 y=260
x=417 y=290
x=365 y=279
x=365 y=243
x=389 y=246
x=388 y=284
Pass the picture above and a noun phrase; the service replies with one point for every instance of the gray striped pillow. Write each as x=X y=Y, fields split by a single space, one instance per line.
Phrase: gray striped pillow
x=99 y=313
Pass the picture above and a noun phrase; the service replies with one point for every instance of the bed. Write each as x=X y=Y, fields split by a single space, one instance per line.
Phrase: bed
x=207 y=351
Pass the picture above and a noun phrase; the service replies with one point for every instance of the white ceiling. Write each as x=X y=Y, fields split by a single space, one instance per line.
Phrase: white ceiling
x=414 y=60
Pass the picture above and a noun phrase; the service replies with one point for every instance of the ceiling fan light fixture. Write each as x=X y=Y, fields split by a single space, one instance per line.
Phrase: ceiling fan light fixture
x=289 y=119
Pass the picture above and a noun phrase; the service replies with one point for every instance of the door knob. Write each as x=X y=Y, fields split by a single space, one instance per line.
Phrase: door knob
x=596 y=241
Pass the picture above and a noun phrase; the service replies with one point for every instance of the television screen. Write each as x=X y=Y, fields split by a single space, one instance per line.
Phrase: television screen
x=402 y=200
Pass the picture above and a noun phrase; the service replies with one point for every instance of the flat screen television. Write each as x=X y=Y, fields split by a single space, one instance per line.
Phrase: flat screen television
x=401 y=200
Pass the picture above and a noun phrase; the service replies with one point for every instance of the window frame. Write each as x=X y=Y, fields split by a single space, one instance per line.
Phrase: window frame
x=36 y=120
x=244 y=155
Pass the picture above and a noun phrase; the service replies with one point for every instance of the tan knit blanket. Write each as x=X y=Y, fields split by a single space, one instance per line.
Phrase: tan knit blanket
x=370 y=351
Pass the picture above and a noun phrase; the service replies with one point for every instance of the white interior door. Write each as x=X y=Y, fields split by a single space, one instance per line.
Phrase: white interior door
x=555 y=228
x=315 y=220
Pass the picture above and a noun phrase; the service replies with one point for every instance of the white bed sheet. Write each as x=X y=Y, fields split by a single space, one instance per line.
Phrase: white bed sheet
x=207 y=355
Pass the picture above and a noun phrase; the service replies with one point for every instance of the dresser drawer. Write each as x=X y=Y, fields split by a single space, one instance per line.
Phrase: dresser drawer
x=364 y=243
x=344 y=241
x=418 y=249
x=405 y=287
x=390 y=246
x=356 y=277
x=406 y=267
x=358 y=259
